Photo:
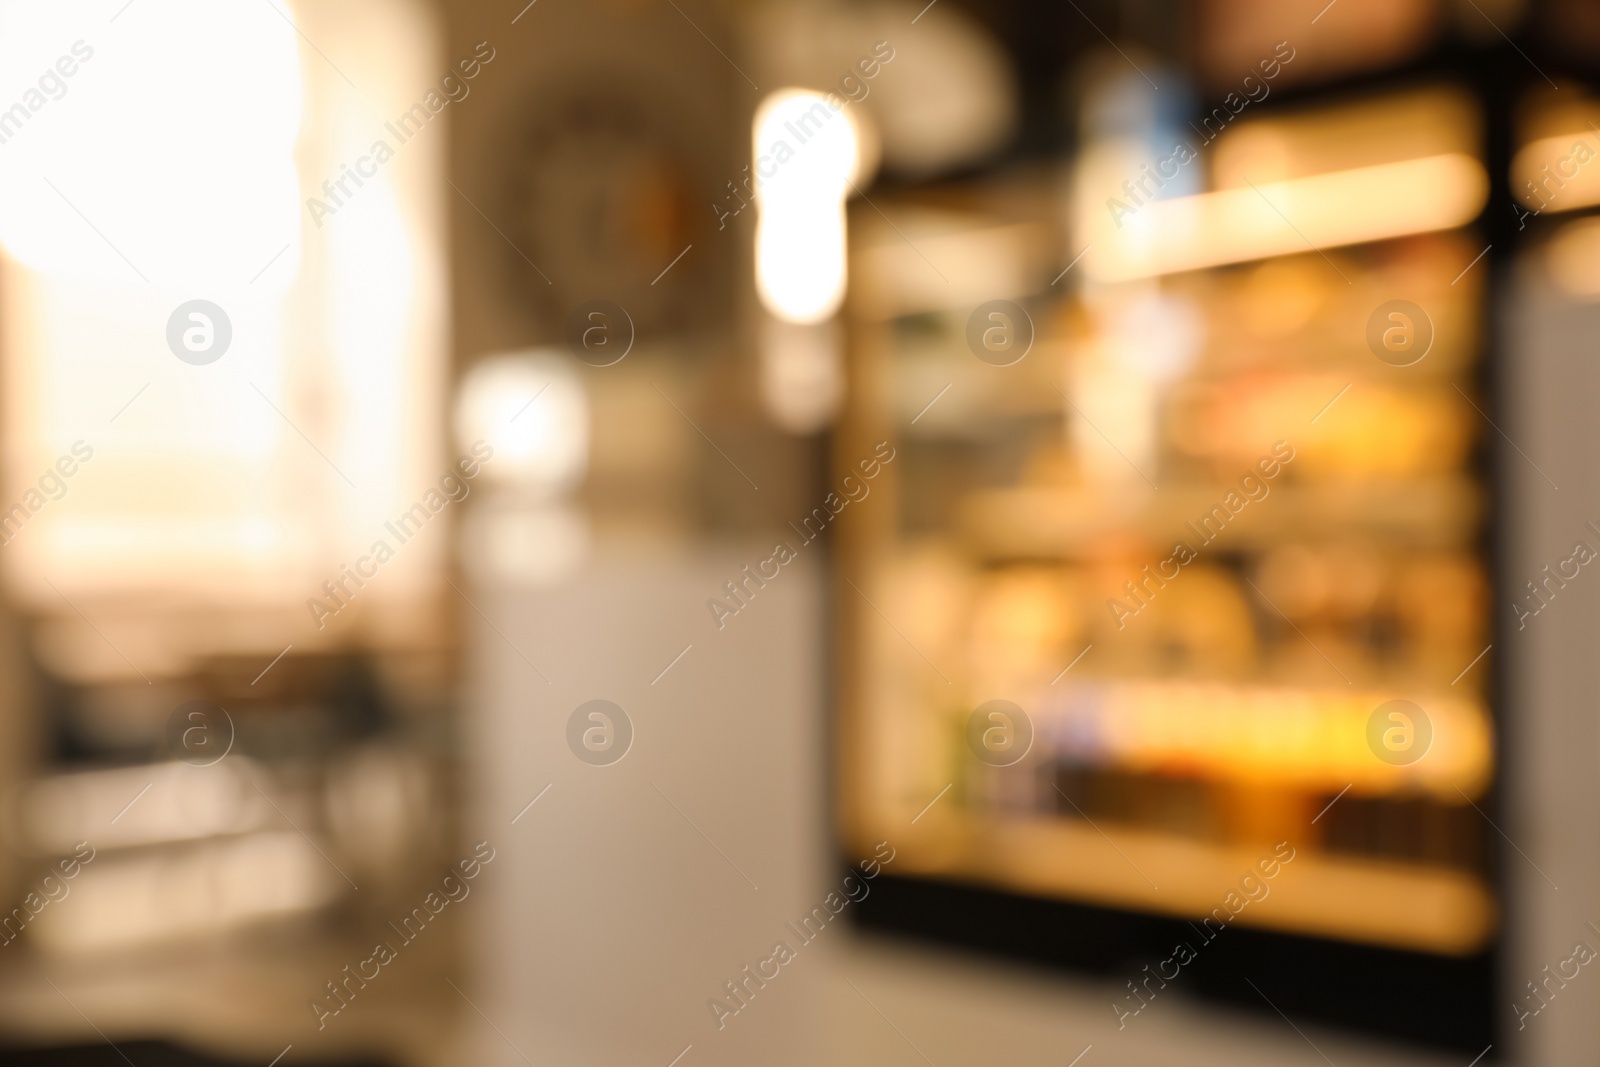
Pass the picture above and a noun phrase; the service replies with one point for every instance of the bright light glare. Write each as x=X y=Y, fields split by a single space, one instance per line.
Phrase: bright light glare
x=179 y=137
x=374 y=283
x=175 y=138
x=1328 y=210
x=806 y=155
x=532 y=409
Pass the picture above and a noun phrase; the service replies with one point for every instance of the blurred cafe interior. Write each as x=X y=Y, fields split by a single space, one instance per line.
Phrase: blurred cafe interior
x=696 y=532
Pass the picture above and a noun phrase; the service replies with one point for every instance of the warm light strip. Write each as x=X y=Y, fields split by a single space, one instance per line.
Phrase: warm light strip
x=1557 y=173
x=1293 y=738
x=1299 y=215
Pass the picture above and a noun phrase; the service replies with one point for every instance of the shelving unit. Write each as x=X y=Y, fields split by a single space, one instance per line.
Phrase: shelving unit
x=1187 y=715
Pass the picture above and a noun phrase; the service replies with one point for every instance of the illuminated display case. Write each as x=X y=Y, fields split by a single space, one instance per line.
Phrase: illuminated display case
x=1173 y=623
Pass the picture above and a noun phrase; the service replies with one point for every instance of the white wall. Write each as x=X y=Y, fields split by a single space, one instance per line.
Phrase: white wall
x=1552 y=721
x=609 y=919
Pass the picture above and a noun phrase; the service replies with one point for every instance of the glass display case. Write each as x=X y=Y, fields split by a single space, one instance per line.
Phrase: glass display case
x=1175 y=601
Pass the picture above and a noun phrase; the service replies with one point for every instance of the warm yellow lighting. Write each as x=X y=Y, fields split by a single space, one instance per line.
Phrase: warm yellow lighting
x=1573 y=259
x=806 y=156
x=1299 y=738
x=1558 y=173
x=1322 y=211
